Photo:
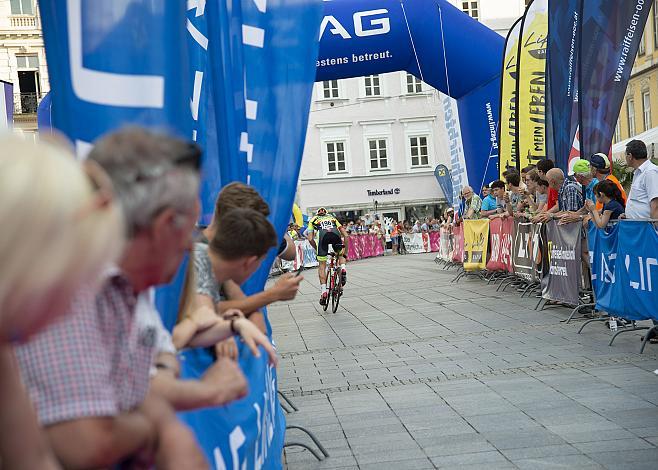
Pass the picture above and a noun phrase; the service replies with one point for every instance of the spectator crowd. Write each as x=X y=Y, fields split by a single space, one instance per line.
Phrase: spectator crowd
x=90 y=376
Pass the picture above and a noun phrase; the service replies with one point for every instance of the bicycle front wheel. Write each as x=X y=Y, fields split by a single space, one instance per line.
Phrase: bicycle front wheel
x=336 y=291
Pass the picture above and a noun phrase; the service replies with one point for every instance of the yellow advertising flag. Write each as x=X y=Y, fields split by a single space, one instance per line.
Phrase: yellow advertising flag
x=507 y=128
x=531 y=84
x=476 y=241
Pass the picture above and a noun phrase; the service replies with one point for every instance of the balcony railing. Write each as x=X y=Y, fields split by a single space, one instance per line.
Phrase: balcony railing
x=24 y=22
x=26 y=103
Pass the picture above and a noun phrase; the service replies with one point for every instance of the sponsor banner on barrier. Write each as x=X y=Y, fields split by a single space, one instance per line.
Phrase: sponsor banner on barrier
x=445 y=244
x=625 y=263
x=508 y=100
x=602 y=246
x=522 y=255
x=539 y=251
x=421 y=242
x=531 y=85
x=501 y=232
x=364 y=246
x=562 y=282
x=476 y=237
x=249 y=432
x=458 y=243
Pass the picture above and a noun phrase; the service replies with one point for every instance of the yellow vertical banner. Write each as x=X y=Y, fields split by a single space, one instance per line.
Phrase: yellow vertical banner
x=476 y=241
x=507 y=128
x=531 y=84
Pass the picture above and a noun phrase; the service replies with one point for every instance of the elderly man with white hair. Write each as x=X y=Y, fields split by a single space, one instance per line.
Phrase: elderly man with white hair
x=88 y=375
x=473 y=203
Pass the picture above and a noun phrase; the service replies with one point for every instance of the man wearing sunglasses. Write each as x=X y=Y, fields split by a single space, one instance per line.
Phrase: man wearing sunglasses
x=88 y=375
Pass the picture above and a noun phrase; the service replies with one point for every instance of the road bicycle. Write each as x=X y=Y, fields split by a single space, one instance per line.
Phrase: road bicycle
x=334 y=283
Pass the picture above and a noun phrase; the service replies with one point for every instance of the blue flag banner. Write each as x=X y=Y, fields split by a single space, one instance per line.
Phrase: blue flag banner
x=625 y=270
x=6 y=104
x=443 y=177
x=105 y=73
x=44 y=113
x=613 y=31
x=280 y=51
x=564 y=24
x=425 y=38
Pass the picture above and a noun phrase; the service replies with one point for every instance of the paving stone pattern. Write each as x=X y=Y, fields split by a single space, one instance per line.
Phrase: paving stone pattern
x=414 y=372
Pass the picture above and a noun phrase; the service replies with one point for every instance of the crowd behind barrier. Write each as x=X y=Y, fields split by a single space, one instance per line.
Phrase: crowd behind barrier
x=564 y=261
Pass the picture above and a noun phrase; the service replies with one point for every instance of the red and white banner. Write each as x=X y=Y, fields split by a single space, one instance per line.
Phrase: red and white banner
x=501 y=234
x=458 y=244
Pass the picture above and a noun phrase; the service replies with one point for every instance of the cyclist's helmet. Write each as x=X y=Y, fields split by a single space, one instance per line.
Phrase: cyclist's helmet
x=321 y=211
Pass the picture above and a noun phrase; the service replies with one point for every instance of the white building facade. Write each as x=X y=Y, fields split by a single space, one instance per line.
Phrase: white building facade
x=23 y=59
x=373 y=142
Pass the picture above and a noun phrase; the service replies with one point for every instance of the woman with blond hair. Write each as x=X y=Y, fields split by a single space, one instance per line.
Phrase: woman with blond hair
x=60 y=229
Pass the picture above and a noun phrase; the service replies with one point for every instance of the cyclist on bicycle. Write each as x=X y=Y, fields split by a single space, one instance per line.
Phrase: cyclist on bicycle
x=329 y=232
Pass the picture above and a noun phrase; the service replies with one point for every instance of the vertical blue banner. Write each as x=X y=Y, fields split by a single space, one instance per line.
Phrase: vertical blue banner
x=6 y=104
x=444 y=178
x=280 y=50
x=564 y=25
x=114 y=63
x=613 y=31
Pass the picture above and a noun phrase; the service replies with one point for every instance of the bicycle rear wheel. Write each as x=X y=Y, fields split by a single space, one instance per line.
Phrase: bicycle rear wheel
x=336 y=291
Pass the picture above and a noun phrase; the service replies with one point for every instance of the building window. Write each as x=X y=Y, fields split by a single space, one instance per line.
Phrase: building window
x=414 y=85
x=642 y=48
x=617 y=132
x=336 y=156
x=630 y=108
x=646 y=110
x=378 y=154
x=330 y=89
x=373 y=87
x=471 y=8
x=29 y=85
x=418 y=150
x=22 y=7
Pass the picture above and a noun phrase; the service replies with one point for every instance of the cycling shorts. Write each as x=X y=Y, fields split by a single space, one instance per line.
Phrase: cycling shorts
x=333 y=239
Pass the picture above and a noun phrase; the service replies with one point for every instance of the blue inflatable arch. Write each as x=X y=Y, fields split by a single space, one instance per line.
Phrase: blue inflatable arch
x=437 y=43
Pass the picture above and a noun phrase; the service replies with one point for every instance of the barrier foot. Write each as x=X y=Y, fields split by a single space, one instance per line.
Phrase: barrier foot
x=287 y=400
x=311 y=450
x=459 y=276
x=626 y=330
x=530 y=287
x=541 y=301
x=646 y=338
x=313 y=438
x=600 y=319
x=577 y=310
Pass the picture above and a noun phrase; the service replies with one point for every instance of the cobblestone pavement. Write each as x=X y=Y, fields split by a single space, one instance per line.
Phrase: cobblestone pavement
x=414 y=372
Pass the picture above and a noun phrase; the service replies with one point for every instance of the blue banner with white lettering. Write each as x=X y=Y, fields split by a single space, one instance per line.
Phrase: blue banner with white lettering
x=248 y=433
x=116 y=63
x=443 y=177
x=625 y=269
x=564 y=25
x=426 y=39
x=612 y=32
x=602 y=246
x=280 y=51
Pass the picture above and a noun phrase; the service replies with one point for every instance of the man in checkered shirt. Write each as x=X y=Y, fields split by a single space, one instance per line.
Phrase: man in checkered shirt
x=88 y=375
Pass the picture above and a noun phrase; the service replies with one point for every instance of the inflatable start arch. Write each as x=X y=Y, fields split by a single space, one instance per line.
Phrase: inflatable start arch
x=437 y=43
